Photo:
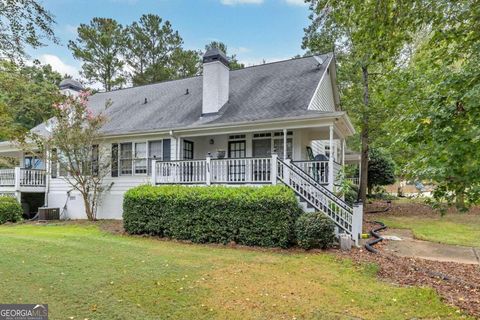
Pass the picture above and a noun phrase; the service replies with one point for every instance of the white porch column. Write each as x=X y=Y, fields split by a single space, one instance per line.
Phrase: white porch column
x=285 y=144
x=357 y=222
x=330 y=161
x=273 y=170
x=335 y=151
x=48 y=171
x=18 y=194
x=343 y=153
x=208 y=174
x=154 y=172
x=286 y=173
x=178 y=151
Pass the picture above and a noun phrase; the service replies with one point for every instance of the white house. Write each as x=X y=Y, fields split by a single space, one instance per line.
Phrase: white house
x=274 y=123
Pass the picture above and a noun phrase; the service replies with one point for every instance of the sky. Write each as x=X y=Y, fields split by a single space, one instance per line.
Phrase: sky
x=252 y=29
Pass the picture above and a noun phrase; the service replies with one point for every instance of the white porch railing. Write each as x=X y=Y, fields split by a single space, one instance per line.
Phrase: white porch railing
x=318 y=170
x=347 y=218
x=187 y=171
x=246 y=170
x=32 y=177
x=20 y=177
x=355 y=181
x=208 y=171
x=7 y=177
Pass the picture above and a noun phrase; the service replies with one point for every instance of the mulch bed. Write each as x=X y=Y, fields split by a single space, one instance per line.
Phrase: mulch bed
x=458 y=284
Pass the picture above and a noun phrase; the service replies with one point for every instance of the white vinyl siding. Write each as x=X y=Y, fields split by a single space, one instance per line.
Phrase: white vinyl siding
x=323 y=99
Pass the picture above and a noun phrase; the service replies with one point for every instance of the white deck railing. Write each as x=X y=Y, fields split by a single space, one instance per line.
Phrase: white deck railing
x=32 y=177
x=20 y=177
x=7 y=177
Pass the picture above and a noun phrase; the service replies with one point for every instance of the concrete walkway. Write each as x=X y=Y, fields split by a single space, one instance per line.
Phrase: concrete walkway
x=410 y=247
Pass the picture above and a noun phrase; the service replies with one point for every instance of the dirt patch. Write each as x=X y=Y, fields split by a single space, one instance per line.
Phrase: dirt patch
x=458 y=284
x=112 y=226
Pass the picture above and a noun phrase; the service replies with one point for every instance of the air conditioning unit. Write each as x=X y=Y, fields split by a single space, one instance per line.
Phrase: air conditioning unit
x=48 y=213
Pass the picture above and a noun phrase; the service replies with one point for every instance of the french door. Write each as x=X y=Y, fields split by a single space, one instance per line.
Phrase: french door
x=261 y=148
x=236 y=168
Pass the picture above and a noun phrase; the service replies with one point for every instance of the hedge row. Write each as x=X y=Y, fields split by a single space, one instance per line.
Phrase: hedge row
x=260 y=216
x=10 y=210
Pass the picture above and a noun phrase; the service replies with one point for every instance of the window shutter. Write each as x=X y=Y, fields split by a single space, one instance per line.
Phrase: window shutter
x=54 y=164
x=114 y=164
x=95 y=168
x=166 y=150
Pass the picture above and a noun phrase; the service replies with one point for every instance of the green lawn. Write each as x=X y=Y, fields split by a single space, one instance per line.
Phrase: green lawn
x=84 y=273
x=458 y=228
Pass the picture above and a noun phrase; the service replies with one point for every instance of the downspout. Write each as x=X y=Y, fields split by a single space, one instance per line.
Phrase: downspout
x=47 y=177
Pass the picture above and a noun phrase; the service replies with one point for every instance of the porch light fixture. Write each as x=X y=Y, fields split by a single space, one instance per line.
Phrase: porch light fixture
x=212 y=141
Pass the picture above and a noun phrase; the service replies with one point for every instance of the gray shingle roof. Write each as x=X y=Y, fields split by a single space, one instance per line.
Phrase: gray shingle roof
x=264 y=92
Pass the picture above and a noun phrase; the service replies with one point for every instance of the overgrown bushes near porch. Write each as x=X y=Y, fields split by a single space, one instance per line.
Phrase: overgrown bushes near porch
x=254 y=216
x=10 y=210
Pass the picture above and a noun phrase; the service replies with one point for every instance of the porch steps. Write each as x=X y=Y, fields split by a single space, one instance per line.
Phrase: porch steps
x=314 y=197
x=306 y=207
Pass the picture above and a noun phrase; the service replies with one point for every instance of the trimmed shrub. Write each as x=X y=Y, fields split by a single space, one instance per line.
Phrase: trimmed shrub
x=314 y=230
x=10 y=210
x=261 y=216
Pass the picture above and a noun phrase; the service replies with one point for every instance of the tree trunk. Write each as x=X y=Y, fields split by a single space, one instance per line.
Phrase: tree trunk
x=460 y=199
x=88 y=208
x=400 y=187
x=362 y=193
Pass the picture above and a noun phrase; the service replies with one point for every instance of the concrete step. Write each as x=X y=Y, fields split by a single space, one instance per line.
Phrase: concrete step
x=306 y=207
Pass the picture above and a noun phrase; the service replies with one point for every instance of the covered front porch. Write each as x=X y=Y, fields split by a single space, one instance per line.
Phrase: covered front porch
x=248 y=156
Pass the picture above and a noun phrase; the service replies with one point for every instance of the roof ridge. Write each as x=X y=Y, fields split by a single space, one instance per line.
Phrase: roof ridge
x=191 y=77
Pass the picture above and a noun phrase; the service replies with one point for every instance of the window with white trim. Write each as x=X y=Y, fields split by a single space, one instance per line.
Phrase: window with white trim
x=278 y=146
x=140 y=161
x=126 y=158
x=155 y=152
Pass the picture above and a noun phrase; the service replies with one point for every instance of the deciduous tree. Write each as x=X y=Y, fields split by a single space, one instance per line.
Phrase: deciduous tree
x=368 y=37
x=76 y=147
x=27 y=94
x=23 y=23
x=435 y=105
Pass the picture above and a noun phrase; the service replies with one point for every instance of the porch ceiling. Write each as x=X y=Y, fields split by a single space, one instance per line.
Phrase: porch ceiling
x=339 y=120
